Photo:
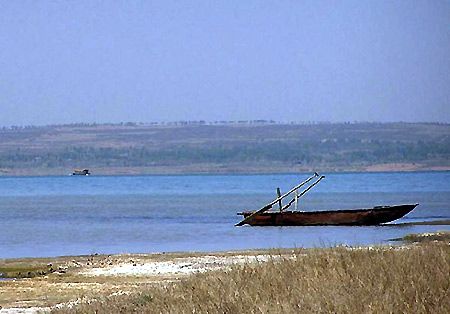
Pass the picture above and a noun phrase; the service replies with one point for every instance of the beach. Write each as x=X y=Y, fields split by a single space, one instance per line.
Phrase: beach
x=103 y=282
x=77 y=278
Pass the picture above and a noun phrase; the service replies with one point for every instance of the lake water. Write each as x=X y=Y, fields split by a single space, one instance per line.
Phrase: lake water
x=53 y=216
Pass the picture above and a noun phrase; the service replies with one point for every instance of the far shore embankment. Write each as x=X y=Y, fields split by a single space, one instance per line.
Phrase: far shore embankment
x=224 y=148
x=208 y=169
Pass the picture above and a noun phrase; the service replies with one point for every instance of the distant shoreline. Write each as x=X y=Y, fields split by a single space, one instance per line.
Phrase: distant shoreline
x=213 y=169
x=224 y=149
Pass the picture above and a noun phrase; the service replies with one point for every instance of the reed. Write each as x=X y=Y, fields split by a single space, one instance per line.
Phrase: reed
x=405 y=279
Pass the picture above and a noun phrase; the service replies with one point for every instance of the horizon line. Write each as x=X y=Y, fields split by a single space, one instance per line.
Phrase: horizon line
x=212 y=123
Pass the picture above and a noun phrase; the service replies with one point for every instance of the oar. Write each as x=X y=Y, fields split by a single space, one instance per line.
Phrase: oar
x=269 y=206
x=303 y=193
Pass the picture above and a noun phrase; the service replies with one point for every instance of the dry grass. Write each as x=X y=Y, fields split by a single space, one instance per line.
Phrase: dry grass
x=48 y=291
x=425 y=237
x=410 y=279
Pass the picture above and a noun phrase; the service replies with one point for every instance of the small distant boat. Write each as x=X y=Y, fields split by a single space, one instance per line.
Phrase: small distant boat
x=351 y=217
x=84 y=172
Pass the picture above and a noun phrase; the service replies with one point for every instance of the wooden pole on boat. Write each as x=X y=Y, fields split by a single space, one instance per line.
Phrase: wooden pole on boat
x=279 y=195
x=310 y=187
x=269 y=206
x=303 y=193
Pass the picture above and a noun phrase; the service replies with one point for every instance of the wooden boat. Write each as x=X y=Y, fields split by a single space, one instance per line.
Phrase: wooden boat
x=84 y=172
x=352 y=217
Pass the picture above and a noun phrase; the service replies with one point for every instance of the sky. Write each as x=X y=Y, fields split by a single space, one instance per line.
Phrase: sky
x=142 y=61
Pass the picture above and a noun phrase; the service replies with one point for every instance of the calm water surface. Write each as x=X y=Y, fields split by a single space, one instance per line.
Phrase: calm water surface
x=51 y=216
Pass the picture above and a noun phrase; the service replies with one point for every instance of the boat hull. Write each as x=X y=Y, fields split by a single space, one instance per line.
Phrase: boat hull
x=354 y=217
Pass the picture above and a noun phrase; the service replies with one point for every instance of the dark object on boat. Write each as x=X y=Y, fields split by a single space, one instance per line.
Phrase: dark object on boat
x=84 y=172
x=352 y=217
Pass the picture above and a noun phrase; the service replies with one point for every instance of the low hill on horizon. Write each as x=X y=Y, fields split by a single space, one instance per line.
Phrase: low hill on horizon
x=224 y=148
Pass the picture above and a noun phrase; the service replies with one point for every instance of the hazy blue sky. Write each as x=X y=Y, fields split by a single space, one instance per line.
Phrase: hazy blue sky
x=112 y=61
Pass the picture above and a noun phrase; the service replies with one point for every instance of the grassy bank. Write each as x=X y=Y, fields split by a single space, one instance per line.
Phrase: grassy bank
x=405 y=279
x=425 y=237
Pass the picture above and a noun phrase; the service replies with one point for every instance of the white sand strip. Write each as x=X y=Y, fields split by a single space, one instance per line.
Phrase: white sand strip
x=177 y=266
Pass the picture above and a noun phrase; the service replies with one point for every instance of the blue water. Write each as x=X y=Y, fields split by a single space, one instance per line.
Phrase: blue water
x=52 y=216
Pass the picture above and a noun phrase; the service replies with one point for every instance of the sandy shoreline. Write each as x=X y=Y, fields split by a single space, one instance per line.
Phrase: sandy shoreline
x=177 y=266
x=71 y=280
x=105 y=275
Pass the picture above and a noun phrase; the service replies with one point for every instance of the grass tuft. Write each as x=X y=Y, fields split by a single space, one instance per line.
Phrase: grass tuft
x=143 y=299
x=425 y=237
